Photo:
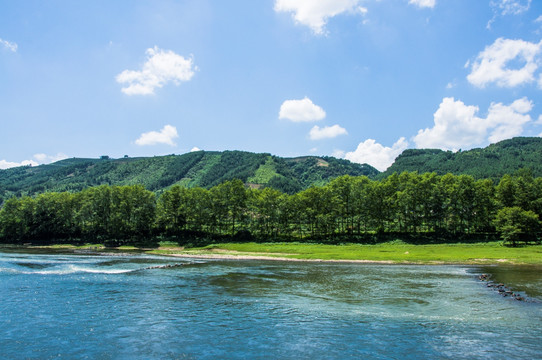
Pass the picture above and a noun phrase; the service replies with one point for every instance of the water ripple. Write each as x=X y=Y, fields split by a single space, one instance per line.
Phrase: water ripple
x=117 y=308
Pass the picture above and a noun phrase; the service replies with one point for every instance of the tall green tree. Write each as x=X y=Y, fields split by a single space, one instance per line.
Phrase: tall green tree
x=17 y=220
x=265 y=209
x=230 y=200
x=199 y=210
x=54 y=216
x=516 y=224
x=172 y=210
x=95 y=211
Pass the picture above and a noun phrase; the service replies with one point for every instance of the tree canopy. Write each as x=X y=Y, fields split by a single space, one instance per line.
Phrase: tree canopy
x=348 y=208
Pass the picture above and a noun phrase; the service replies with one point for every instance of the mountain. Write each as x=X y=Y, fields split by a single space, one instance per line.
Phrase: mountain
x=505 y=157
x=209 y=168
x=202 y=168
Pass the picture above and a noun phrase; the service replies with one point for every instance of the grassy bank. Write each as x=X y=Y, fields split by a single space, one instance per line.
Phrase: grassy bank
x=390 y=252
x=394 y=252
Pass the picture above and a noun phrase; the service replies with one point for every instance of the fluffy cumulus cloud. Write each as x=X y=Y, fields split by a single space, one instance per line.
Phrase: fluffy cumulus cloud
x=505 y=121
x=8 y=45
x=9 y=164
x=44 y=158
x=423 y=3
x=37 y=160
x=326 y=132
x=372 y=153
x=493 y=64
x=301 y=111
x=457 y=125
x=338 y=153
x=315 y=13
x=194 y=149
x=162 y=67
x=164 y=136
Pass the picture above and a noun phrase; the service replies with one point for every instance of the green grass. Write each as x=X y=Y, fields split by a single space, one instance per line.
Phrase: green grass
x=392 y=252
x=70 y=246
x=127 y=247
x=168 y=244
x=396 y=252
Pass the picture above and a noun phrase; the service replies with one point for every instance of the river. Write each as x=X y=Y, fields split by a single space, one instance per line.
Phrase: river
x=86 y=306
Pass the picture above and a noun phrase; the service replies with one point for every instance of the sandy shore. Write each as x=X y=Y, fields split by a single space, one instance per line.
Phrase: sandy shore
x=218 y=255
x=273 y=258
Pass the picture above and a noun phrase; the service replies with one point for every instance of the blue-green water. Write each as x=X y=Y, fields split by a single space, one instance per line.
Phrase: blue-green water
x=111 y=307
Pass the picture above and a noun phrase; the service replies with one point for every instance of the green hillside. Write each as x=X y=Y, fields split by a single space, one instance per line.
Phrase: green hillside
x=209 y=168
x=505 y=157
x=201 y=168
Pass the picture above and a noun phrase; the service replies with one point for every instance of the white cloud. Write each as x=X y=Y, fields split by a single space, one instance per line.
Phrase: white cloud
x=539 y=121
x=338 y=153
x=538 y=19
x=510 y=7
x=507 y=7
x=8 y=164
x=164 y=136
x=301 y=111
x=38 y=159
x=423 y=3
x=457 y=126
x=508 y=121
x=490 y=65
x=9 y=45
x=194 y=149
x=161 y=67
x=374 y=154
x=44 y=158
x=326 y=132
x=315 y=13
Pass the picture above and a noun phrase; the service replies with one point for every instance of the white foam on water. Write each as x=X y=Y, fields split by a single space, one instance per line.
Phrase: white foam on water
x=73 y=269
x=67 y=270
x=9 y=270
x=69 y=264
x=102 y=271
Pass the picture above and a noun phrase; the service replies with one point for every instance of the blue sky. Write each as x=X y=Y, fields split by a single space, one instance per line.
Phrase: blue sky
x=357 y=79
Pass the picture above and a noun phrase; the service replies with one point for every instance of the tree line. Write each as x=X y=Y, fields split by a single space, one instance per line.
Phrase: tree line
x=347 y=208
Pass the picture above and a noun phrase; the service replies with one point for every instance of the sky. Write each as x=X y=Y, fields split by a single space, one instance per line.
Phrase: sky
x=356 y=79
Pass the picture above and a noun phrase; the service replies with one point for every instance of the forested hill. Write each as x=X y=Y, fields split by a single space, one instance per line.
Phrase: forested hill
x=505 y=157
x=202 y=168
x=209 y=168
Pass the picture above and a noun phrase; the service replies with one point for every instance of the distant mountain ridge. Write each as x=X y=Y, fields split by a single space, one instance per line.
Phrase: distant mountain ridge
x=493 y=161
x=209 y=168
x=202 y=168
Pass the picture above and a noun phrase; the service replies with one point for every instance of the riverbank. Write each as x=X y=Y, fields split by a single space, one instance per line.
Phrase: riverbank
x=390 y=253
x=386 y=253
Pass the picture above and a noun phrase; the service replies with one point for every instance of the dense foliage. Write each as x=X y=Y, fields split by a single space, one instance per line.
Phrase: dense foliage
x=494 y=161
x=347 y=208
x=195 y=169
